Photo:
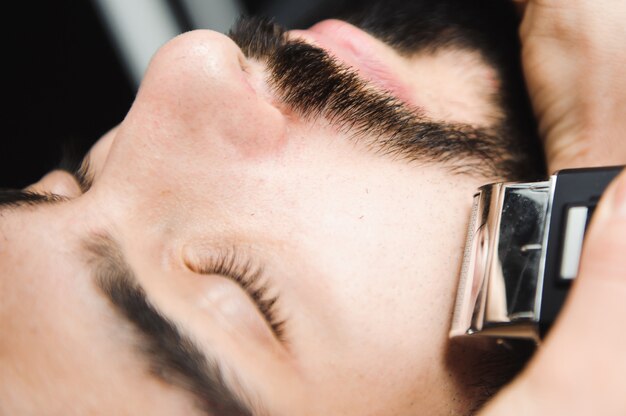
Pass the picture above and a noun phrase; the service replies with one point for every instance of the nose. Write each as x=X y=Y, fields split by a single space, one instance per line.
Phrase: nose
x=194 y=71
x=197 y=96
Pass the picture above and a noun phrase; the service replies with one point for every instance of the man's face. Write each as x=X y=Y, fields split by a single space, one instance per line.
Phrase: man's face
x=220 y=195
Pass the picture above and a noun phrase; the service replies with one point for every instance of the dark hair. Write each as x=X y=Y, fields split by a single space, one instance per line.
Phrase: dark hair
x=489 y=27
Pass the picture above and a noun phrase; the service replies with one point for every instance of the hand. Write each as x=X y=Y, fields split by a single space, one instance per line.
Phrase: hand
x=574 y=60
x=574 y=57
x=581 y=367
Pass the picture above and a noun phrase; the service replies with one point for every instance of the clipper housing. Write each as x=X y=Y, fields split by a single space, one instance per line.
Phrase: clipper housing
x=522 y=252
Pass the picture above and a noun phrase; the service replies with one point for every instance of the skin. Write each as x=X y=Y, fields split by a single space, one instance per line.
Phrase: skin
x=573 y=59
x=364 y=250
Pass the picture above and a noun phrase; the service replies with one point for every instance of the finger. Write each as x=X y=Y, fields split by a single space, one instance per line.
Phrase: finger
x=584 y=356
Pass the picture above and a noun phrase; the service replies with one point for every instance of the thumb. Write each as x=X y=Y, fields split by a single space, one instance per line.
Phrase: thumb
x=583 y=360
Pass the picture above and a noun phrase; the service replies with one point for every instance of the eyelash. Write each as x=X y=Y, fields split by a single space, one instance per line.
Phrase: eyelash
x=78 y=165
x=250 y=279
x=227 y=265
x=84 y=175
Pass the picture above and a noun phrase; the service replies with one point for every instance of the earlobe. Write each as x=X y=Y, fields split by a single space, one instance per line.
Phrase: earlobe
x=57 y=182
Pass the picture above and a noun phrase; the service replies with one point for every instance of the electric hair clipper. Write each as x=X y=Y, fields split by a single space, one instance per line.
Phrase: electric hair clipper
x=522 y=252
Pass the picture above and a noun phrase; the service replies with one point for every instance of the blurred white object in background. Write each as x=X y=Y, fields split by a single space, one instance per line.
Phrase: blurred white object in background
x=140 y=27
x=218 y=15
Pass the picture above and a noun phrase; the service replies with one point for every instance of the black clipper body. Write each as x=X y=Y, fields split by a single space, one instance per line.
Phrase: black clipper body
x=522 y=252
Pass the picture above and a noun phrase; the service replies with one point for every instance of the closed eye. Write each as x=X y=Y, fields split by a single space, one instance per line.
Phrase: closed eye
x=251 y=280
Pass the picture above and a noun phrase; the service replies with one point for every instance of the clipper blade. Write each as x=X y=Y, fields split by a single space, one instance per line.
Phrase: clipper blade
x=502 y=263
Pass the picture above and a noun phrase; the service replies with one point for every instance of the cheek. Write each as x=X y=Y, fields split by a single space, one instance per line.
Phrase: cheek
x=386 y=273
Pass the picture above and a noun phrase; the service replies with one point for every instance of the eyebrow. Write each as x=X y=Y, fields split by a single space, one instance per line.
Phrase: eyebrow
x=172 y=354
x=77 y=162
x=84 y=173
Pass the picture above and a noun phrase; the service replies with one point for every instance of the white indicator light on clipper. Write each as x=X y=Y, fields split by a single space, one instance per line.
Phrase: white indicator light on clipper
x=573 y=242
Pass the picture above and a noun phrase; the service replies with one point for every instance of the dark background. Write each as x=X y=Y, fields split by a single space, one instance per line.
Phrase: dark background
x=66 y=84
